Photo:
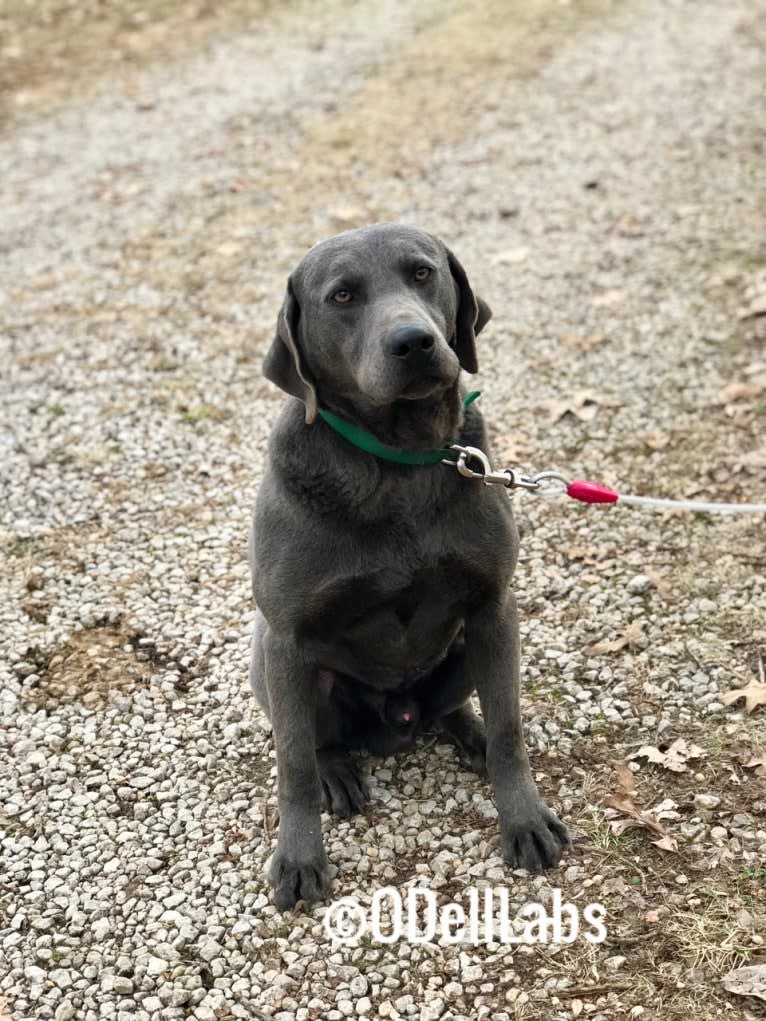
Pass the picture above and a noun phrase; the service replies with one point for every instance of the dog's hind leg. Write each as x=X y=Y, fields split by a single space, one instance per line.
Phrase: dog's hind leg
x=445 y=704
x=258 y=662
x=467 y=731
x=344 y=789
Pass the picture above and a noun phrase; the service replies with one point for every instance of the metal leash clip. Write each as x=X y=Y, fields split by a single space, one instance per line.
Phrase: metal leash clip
x=508 y=478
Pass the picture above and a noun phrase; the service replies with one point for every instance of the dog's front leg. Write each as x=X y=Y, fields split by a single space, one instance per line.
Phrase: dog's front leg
x=531 y=835
x=299 y=869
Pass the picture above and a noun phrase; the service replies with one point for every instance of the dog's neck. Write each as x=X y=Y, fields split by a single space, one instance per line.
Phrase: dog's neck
x=421 y=425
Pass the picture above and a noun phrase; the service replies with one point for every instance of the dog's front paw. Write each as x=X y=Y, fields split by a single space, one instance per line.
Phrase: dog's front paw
x=534 y=839
x=298 y=875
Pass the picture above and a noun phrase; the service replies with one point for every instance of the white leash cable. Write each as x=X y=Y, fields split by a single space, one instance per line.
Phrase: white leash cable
x=552 y=484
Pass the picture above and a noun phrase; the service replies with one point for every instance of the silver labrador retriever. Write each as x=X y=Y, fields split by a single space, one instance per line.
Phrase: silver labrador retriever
x=382 y=587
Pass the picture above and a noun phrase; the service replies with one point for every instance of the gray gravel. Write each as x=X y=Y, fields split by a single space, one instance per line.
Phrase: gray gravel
x=602 y=178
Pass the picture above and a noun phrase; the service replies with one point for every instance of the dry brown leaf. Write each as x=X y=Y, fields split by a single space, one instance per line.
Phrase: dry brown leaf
x=591 y=557
x=626 y=781
x=583 y=404
x=623 y=802
x=512 y=448
x=636 y=818
x=748 y=981
x=666 y=843
x=740 y=392
x=754 y=695
x=661 y=584
x=674 y=759
x=576 y=1006
x=632 y=634
x=582 y=343
x=656 y=441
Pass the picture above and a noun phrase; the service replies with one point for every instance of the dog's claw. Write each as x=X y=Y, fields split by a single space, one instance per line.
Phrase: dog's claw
x=294 y=881
x=535 y=843
x=344 y=790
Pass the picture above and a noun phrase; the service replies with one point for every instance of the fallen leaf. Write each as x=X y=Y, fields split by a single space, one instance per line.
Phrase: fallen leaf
x=576 y=1007
x=5 y=1009
x=632 y=634
x=661 y=584
x=666 y=843
x=636 y=818
x=652 y=916
x=623 y=802
x=748 y=981
x=754 y=695
x=591 y=557
x=583 y=404
x=674 y=759
x=512 y=447
x=626 y=780
x=757 y=761
x=582 y=343
x=740 y=392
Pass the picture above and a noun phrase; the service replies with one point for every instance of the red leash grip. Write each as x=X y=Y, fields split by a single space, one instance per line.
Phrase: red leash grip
x=591 y=492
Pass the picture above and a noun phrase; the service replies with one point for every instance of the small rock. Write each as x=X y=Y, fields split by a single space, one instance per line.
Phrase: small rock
x=707 y=800
x=639 y=585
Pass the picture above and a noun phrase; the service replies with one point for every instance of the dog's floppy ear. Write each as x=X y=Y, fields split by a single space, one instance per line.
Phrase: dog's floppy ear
x=472 y=316
x=284 y=363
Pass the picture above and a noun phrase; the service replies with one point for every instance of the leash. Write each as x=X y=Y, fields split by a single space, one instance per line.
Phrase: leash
x=545 y=483
x=552 y=483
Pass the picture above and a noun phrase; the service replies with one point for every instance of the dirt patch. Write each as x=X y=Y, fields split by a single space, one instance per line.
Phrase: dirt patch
x=50 y=49
x=90 y=667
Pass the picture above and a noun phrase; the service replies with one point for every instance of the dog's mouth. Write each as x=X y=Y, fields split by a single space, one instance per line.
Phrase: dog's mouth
x=429 y=386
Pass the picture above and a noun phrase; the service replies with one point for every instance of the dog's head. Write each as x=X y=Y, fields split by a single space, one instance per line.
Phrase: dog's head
x=375 y=326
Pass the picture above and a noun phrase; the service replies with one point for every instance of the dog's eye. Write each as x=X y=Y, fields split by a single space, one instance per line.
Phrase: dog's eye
x=342 y=297
x=422 y=273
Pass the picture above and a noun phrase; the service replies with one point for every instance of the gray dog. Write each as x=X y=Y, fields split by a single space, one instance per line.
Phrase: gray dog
x=382 y=587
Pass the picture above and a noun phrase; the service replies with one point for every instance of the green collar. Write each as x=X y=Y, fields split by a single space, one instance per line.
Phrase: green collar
x=367 y=442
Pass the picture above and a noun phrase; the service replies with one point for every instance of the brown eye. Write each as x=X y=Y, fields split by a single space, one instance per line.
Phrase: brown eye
x=423 y=273
x=342 y=297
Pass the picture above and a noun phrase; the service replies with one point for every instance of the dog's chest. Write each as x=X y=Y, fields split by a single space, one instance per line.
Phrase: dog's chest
x=396 y=622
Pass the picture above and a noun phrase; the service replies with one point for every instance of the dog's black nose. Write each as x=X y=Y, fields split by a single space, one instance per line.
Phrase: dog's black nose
x=411 y=341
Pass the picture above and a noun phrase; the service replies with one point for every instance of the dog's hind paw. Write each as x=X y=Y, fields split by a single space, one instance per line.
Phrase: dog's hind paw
x=469 y=736
x=344 y=790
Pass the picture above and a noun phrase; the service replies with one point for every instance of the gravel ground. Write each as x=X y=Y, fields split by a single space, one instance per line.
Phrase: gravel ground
x=599 y=169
